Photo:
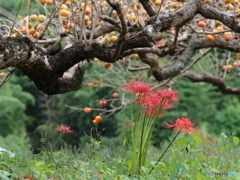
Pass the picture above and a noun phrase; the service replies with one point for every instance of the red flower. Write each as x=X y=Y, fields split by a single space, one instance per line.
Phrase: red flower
x=168 y=97
x=183 y=124
x=138 y=87
x=64 y=129
x=154 y=102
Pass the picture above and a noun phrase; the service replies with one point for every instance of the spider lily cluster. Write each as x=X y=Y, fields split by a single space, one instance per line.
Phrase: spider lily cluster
x=150 y=105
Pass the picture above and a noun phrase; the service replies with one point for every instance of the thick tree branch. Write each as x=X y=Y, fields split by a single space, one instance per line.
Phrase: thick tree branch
x=7 y=14
x=123 y=33
x=212 y=13
x=110 y=20
x=194 y=45
x=216 y=81
x=63 y=70
x=148 y=7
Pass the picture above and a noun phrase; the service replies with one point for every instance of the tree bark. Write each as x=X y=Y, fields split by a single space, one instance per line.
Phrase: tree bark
x=64 y=71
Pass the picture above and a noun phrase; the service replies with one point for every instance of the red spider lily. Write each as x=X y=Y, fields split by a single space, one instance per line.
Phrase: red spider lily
x=138 y=87
x=184 y=125
x=152 y=113
x=64 y=129
x=166 y=93
x=168 y=97
x=163 y=99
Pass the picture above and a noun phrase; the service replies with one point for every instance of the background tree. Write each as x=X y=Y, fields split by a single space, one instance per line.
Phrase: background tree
x=58 y=43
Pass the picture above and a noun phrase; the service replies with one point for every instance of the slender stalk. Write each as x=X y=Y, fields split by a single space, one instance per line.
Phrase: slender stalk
x=57 y=141
x=164 y=152
x=15 y=18
x=141 y=143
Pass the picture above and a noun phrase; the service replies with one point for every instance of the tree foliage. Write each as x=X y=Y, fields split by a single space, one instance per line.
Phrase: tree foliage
x=13 y=103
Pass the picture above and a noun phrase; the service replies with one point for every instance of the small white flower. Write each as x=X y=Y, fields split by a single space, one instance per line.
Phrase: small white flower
x=6 y=151
x=224 y=135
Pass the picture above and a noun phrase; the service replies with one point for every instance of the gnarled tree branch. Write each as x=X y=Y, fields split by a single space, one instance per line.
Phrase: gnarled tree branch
x=63 y=70
x=216 y=81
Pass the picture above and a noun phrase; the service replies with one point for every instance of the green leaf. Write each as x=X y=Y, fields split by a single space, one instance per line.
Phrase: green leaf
x=199 y=176
x=197 y=140
x=229 y=146
x=2 y=176
x=149 y=73
x=181 y=141
x=39 y=164
x=235 y=140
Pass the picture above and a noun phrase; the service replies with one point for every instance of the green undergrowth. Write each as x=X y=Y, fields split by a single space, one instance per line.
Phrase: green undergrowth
x=190 y=157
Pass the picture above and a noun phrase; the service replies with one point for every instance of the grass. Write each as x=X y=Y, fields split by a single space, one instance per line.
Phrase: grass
x=188 y=158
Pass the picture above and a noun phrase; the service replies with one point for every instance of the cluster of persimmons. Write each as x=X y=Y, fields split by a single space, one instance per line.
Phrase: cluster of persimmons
x=102 y=103
x=73 y=16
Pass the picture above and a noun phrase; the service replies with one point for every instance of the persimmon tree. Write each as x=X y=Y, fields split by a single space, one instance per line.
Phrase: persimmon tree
x=169 y=38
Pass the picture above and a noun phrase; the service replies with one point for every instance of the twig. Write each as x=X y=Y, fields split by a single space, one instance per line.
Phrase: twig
x=15 y=18
x=123 y=33
x=8 y=76
x=82 y=22
x=194 y=62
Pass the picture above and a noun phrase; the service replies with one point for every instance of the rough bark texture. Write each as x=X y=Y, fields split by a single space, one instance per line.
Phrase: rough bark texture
x=63 y=71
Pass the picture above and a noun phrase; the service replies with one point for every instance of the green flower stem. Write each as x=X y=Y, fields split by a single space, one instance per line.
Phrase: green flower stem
x=57 y=141
x=164 y=152
x=141 y=143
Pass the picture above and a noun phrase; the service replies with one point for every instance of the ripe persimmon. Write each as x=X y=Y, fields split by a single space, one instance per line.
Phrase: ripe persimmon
x=210 y=37
x=157 y=2
x=70 y=25
x=115 y=95
x=41 y=18
x=107 y=65
x=50 y=2
x=87 y=110
x=2 y=74
x=220 y=28
x=95 y=121
x=219 y=23
x=36 y=35
x=90 y=85
x=228 y=36
x=64 y=6
x=88 y=10
x=237 y=11
x=208 y=1
x=23 y=29
x=33 y=17
x=236 y=63
x=226 y=1
x=103 y=102
x=201 y=24
x=113 y=38
x=98 y=118
x=229 y=6
x=65 y=30
x=227 y=67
